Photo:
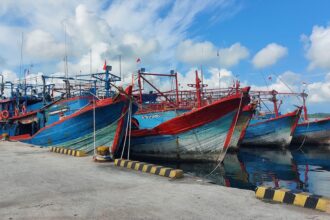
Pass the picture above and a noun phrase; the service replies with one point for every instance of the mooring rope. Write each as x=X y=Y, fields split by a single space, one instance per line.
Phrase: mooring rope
x=126 y=130
x=223 y=153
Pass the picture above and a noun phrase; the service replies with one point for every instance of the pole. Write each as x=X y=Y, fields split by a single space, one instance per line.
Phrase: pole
x=90 y=61
x=274 y=100
x=120 y=66
x=177 y=89
x=139 y=82
x=198 y=91
x=304 y=95
x=94 y=127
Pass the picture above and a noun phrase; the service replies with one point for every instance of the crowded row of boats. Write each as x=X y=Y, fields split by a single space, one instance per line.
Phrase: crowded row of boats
x=199 y=124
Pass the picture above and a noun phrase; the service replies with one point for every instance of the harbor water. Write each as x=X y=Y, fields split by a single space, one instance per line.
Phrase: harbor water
x=299 y=169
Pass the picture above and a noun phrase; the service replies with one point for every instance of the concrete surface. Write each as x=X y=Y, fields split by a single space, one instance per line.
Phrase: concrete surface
x=38 y=184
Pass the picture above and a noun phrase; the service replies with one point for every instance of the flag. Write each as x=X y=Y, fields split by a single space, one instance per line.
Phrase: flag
x=105 y=65
x=138 y=60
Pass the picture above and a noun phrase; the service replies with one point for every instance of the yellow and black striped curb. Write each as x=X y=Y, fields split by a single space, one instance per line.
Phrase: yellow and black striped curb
x=150 y=168
x=289 y=197
x=61 y=150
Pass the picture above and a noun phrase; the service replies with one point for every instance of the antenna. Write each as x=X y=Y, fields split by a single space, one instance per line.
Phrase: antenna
x=90 y=60
x=21 y=61
x=66 y=70
x=120 y=66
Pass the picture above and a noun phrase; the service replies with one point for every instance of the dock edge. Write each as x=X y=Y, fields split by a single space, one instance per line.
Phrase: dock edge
x=150 y=168
x=286 y=196
x=75 y=153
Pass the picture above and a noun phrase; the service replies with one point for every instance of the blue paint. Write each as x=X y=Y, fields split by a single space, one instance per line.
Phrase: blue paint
x=269 y=132
x=78 y=126
x=202 y=143
x=153 y=119
x=66 y=107
x=317 y=132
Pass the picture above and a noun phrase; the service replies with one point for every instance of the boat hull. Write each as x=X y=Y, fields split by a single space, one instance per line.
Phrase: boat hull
x=77 y=130
x=198 y=135
x=241 y=126
x=204 y=143
x=275 y=132
x=315 y=133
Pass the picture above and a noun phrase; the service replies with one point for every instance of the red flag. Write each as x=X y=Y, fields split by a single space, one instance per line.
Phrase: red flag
x=105 y=65
x=138 y=60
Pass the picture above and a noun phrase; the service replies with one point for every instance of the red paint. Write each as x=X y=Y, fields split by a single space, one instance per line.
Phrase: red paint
x=250 y=109
x=24 y=115
x=120 y=124
x=316 y=121
x=227 y=182
x=195 y=118
x=294 y=126
x=20 y=137
x=231 y=130
x=290 y=114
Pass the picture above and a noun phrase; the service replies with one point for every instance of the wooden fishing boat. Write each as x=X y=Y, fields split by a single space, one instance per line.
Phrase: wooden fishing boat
x=313 y=132
x=153 y=113
x=310 y=132
x=84 y=121
x=271 y=129
x=197 y=135
x=273 y=132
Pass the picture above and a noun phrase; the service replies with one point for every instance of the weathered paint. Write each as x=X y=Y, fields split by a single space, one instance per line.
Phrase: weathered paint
x=76 y=130
x=241 y=126
x=153 y=119
x=275 y=132
x=198 y=135
x=313 y=132
x=202 y=143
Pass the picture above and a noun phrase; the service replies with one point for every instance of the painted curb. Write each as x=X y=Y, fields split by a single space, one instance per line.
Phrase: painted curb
x=286 y=196
x=75 y=153
x=150 y=168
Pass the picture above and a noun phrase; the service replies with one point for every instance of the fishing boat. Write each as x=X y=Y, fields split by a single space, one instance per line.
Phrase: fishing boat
x=84 y=121
x=153 y=112
x=274 y=130
x=310 y=132
x=15 y=110
x=200 y=134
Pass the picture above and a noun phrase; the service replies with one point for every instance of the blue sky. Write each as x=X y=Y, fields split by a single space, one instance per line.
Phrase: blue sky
x=255 y=39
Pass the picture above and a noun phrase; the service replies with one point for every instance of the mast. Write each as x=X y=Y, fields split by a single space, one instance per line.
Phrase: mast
x=198 y=90
x=176 y=89
x=304 y=96
x=274 y=100
x=139 y=83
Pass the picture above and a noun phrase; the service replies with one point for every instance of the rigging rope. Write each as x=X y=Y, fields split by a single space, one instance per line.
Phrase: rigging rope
x=224 y=152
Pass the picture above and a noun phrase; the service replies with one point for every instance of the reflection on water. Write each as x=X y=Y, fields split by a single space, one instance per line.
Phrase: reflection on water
x=306 y=169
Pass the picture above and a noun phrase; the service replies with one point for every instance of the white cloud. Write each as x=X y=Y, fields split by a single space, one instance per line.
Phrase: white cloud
x=269 y=55
x=317 y=47
x=197 y=53
x=150 y=30
x=286 y=82
x=231 y=56
x=41 y=45
x=319 y=91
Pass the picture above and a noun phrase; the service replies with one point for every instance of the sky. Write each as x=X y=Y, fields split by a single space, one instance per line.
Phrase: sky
x=261 y=43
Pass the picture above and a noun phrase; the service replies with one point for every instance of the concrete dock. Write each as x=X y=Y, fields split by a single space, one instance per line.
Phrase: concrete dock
x=38 y=184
